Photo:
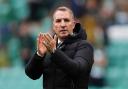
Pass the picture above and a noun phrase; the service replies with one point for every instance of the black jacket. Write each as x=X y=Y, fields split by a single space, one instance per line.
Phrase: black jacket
x=68 y=68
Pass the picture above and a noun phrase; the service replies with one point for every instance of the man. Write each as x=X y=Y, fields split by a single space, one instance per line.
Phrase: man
x=66 y=65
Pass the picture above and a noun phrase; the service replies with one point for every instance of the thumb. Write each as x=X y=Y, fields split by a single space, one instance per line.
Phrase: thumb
x=55 y=37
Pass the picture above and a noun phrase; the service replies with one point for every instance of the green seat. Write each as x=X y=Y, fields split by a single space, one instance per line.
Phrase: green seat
x=15 y=78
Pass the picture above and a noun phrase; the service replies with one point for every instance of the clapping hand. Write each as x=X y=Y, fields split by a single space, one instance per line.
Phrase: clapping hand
x=49 y=42
x=41 y=49
x=45 y=43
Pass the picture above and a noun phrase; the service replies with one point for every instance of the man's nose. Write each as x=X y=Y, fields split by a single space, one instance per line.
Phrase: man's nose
x=63 y=23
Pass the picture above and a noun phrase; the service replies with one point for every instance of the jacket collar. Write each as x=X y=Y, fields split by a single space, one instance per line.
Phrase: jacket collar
x=78 y=34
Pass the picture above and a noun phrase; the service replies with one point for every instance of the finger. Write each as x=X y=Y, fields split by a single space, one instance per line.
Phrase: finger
x=40 y=39
x=47 y=46
x=46 y=38
x=37 y=43
x=49 y=36
x=55 y=37
x=52 y=40
x=46 y=42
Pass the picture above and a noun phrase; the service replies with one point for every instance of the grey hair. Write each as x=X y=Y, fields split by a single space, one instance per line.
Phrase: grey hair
x=64 y=8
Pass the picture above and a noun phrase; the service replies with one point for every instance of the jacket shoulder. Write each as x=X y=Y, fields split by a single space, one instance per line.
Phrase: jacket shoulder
x=85 y=43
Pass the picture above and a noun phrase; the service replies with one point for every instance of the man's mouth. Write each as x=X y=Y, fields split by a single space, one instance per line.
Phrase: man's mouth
x=63 y=30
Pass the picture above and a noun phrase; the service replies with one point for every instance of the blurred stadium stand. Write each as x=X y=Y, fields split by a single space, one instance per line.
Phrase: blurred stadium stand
x=15 y=78
x=117 y=72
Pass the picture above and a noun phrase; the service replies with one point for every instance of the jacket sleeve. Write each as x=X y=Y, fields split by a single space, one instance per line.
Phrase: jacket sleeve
x=80 y=64
x=34 y=67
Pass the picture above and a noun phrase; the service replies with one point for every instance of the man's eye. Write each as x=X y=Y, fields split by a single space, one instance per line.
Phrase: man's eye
x=58 y=20
x=66 y=20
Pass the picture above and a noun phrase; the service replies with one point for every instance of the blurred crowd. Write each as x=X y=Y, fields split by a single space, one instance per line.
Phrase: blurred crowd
x=22 y=20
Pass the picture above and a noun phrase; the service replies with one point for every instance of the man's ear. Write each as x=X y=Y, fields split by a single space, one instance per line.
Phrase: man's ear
x=74 y=23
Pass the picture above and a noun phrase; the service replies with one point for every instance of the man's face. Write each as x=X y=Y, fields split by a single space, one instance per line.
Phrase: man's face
x=63 y=23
